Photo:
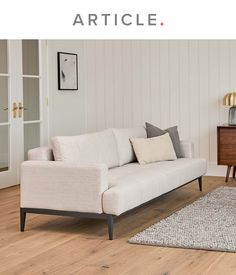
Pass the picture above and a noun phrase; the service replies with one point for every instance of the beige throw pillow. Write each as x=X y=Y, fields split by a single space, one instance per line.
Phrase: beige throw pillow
x=154 y=149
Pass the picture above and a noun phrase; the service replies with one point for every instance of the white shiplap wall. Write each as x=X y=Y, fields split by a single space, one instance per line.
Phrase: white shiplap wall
x=125 y=83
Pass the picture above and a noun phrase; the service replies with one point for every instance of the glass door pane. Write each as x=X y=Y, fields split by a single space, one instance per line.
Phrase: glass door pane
x=30 y=55
x=3 y=57
x=4 y=148
x=31 y=98
x=31 y=95
x=4 y=97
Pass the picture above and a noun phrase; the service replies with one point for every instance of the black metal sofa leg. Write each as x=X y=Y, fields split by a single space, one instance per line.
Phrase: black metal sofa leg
x=23 y=211
x=200 y=183
x=22 y=219
x=110 y=222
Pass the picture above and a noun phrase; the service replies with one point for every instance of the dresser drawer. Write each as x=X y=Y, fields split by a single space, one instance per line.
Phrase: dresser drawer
x=227 y=154
x=227 y=136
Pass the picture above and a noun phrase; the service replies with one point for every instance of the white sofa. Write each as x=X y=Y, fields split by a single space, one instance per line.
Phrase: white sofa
x=96 y=175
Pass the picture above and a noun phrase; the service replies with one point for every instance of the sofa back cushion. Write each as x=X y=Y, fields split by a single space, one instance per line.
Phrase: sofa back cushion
x=99 y=147
x=124 y=146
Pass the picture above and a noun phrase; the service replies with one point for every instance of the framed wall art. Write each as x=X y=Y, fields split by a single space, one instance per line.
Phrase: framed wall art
x=67 y=71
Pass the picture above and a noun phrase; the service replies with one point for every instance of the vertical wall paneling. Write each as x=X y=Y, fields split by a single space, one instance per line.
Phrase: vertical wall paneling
x=194 y=94
x=127 y=87
x=224 y=75
x=80 y=109
x=100 y=84
x=90 y=68
x=136 y=83
x=145 y=83
x=164 y=84
x=184 y=86
x=174 y=106
x=213 y=97
x=118 y=83
x=155 y=94
x=203 y=99
x=232 y=65
x=109 y=84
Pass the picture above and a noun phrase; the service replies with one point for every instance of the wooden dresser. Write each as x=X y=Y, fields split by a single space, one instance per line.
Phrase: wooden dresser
x=226 y=148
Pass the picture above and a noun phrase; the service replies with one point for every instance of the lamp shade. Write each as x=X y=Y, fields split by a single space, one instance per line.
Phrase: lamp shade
x=230 y=99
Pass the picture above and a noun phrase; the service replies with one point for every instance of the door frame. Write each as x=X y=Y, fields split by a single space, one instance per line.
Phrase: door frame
x=15 y=90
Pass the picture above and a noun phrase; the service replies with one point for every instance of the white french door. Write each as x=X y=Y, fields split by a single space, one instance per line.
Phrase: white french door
x=22 y=104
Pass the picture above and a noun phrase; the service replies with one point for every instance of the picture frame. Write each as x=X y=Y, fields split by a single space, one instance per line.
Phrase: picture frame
x=67 y=66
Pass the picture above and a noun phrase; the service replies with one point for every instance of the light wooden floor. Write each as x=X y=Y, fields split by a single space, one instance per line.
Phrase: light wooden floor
x=60 y=245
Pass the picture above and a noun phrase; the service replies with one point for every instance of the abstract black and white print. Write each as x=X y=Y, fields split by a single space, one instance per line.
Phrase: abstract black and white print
x=67 y=71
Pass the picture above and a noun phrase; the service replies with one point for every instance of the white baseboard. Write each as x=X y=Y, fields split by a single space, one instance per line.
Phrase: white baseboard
x=216 y=170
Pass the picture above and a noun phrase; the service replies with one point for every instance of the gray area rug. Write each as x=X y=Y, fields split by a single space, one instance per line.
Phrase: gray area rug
x=209 y=223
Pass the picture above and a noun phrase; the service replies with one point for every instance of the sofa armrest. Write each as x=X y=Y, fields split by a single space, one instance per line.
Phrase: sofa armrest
x=187 y=148
x=63 y=186
x=41 y=153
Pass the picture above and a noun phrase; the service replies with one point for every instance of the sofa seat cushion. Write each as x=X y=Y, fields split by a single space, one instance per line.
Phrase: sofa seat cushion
x=99 y=147
x=134 y=184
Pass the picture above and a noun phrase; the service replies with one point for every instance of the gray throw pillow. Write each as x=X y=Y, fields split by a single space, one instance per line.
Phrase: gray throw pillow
x=153 y=131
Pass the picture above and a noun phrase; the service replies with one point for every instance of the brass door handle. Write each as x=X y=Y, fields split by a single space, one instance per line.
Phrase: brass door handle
x=21 y=109
x=14 y=110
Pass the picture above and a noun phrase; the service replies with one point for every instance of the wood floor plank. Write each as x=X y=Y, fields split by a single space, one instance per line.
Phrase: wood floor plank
x=61 y=245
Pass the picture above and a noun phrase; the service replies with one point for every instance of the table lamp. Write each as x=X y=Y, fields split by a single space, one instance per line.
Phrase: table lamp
x=230 y=100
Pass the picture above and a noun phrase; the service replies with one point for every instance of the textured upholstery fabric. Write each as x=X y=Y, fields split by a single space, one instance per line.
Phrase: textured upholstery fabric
x=97 y=147
x=125 y=150
x=153 y=131
x=134 y=184
x=63 y=185
x=187 y=149
x=40 y=153
x=155 y=149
